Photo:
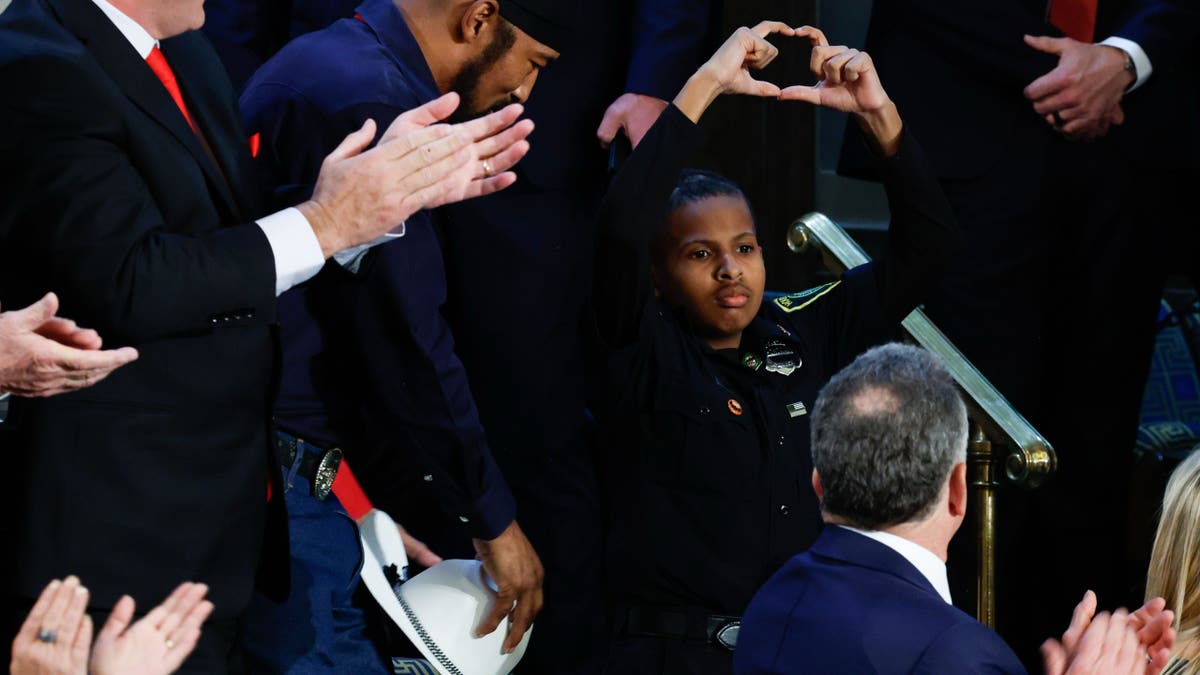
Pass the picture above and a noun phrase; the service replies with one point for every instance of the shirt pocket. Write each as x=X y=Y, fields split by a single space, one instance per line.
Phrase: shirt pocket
x=706 y=445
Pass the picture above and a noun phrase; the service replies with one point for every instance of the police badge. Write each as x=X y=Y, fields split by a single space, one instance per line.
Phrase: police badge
x=780 y=357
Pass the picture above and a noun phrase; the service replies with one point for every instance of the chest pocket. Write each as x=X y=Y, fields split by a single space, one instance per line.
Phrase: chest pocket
x=703 y=447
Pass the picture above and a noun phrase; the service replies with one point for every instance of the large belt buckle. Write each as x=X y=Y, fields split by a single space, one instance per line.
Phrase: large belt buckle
x=327 y=469
x=727 y=635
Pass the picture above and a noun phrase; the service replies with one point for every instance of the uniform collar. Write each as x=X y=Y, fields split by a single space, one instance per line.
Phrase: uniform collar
x=143 y=43
x=386 y=21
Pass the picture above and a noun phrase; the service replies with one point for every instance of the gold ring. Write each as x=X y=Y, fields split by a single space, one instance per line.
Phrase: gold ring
x=487 y=168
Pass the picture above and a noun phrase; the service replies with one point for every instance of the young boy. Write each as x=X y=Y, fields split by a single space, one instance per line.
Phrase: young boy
x=708 y=387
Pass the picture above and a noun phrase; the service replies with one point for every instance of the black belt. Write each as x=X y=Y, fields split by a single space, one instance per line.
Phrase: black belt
x=716 y=629
x=319 y=466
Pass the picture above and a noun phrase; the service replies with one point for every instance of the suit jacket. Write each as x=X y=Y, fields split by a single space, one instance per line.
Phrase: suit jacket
x=852 y=605
x=155 y=475
x=957 y=71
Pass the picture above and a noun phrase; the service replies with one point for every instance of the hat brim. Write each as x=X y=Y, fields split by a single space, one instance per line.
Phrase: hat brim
x=382 y=547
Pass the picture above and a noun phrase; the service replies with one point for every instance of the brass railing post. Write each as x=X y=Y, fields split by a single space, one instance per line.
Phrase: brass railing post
x=981 y=465
x=1027 y=459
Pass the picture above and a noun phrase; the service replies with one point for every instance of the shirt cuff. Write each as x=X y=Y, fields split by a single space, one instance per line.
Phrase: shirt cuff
x=490 y=515
x=298 y=255
x=351 y=258
x=1135 y=52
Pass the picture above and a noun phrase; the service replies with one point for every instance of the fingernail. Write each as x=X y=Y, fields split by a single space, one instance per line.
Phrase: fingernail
x=55 y=584
x=82 y=590
x=72 y=580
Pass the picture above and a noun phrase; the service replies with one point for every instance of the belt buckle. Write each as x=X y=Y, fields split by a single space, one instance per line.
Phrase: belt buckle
x=727 y=635
x=327 y=468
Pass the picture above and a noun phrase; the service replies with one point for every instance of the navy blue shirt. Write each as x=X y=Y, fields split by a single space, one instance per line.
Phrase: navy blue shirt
x=369 y=361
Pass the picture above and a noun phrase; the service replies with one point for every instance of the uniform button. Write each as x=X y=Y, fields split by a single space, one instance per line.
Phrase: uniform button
x=464 y=519
x=215 y=321
x=784 y=510
x=704 y=410
x=429 y=478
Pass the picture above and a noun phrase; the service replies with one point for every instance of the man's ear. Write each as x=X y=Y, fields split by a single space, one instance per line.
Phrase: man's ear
x=816 y=483
x=478 y=20
x=958 y=490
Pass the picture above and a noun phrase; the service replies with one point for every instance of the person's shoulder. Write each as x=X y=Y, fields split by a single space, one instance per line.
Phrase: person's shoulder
x=970 y=647
x=336 y=67
x=791 y=303
x=31 y=39
x=38 y=54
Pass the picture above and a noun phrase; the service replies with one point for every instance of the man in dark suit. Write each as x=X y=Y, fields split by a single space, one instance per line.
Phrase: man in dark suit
x=127 y=190
x=1056 y=294
x=871 y=595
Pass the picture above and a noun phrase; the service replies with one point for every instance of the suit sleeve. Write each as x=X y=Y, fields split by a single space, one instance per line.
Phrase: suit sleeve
x=630 y=217
x=87 y=226
x=969 y=647
x=669 y=43
x=1166 y=29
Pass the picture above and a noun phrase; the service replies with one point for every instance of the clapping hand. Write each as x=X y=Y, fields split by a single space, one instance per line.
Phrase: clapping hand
x=44 y=355
x=157 y=643
x=1134 y=644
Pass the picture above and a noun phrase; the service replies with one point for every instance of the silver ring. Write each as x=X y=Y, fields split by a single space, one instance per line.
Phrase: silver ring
x=487 y=168
x=48 y=636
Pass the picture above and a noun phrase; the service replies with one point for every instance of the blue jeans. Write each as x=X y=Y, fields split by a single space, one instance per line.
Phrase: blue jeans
x=318 y=629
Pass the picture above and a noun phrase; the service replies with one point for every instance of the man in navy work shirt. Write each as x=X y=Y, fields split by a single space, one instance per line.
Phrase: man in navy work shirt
x=369 y=361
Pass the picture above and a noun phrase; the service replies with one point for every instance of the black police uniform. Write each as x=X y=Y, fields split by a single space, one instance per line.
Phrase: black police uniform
x=709 y=463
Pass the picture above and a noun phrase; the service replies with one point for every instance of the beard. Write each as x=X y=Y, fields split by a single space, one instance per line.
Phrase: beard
x=467 y=81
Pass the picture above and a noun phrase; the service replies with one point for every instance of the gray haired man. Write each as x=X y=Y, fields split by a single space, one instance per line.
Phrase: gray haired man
x=889 y=437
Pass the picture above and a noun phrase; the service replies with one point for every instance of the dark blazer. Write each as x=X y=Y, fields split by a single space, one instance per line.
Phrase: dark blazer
x=852 y=605
x=156 y=475
x=958 y=70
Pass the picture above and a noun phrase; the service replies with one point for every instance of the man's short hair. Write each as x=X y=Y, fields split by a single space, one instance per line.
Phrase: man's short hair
x=886 y=431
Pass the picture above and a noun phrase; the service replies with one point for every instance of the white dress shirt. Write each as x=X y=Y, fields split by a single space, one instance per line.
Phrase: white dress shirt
x=927 y=563
x=1141 y=62
x=294 y=245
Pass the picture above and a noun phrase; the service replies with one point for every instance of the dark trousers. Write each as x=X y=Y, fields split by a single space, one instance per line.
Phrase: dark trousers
x=318 y=629
x=1076 y=243
x=665 y=656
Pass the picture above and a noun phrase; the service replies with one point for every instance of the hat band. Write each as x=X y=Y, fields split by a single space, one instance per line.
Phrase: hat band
x=432 y=646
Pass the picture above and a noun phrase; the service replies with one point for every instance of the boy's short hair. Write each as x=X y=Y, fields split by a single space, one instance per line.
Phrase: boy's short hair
x=697 y=184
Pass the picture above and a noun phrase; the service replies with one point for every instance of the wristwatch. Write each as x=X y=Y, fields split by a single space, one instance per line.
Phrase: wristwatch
x=1130 y=66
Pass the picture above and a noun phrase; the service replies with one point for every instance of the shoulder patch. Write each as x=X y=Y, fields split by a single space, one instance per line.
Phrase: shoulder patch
x=796 y=301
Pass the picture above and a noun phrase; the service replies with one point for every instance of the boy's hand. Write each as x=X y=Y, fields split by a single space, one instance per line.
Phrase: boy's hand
x=849 y=83
x=728 y=71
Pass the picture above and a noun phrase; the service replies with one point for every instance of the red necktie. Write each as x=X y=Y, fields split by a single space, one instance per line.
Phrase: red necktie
x=1075 y=18
x=158 y=63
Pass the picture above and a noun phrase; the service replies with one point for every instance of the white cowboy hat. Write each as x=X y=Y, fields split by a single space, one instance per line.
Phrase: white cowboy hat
x=439 y=608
